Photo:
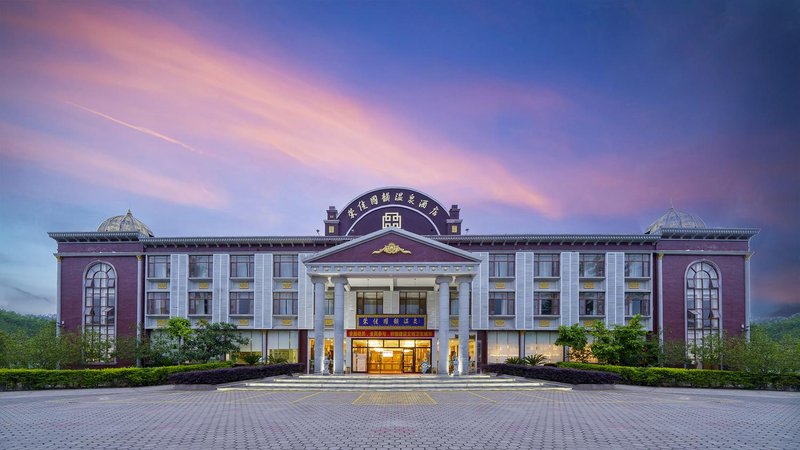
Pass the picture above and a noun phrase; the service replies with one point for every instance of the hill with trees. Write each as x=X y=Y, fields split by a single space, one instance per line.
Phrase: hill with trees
x=12 y=323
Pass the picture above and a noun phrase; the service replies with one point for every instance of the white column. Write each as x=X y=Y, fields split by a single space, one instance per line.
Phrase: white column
x=338 y=325
x=444 y=322
x=319 y=324
x=746 y=296
x=464 y=284
x=58 y=295
x=660 y=257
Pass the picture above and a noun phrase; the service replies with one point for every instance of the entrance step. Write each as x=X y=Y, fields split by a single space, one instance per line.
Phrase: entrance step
x=394 y=383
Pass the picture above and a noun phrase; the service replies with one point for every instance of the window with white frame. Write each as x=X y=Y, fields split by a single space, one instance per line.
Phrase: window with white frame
x=158 y=303
x=241 y=303
x=200 y=266
x=501 y=264
x=454 y=302
x=637 y=303
x=413 y=302
x=284 y=266
x=369 y=302
x=99 y=312
x=501 y=303
x=199 y=303
x=242 y=266
x=702 y=302
x=284 y=303
x=546 y=265
x=546 y=303
x=592 y=265
x=158 y=266
x=637 y=265
x=592 y=303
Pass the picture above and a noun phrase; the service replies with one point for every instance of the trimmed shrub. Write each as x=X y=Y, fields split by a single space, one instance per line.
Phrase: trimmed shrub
x=557 y=374
x=661 y=376
x=229 y=375
x=24 y=379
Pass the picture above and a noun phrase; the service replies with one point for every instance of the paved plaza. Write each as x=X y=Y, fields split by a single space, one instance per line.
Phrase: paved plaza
x=625 y=417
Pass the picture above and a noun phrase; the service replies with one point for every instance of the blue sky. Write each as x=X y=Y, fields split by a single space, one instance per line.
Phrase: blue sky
x=220 y=118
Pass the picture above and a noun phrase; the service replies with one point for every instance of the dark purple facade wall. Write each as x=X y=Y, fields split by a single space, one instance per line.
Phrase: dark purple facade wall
x=72 y=273
x=635 y=248
x=84 y=247
x=731 y=268
x=741 y=246
x=210 y=249
x=419 y=252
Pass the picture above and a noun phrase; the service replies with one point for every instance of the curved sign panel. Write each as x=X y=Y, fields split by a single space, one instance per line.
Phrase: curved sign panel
x=393 y=207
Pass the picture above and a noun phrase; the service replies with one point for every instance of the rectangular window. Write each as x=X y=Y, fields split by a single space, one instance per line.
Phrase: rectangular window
x=454 y=302
x=592 y=303
x=241 y=303
x=546 y=303
x=592 y=265
x=158 y=303
x=637 y=265
x=413 y=302
x=199 y=303
x=158 y=266
x=200 y=266
x=328 y=303
x=546 y=265
x=369 y=302
x=501 y=303
x=284 y=304
x=242 y=266
x=501 y=264
x=637 y=303
x=284 y=266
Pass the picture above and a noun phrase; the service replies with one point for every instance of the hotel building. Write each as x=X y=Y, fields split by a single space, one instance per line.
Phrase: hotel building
x=394 y=283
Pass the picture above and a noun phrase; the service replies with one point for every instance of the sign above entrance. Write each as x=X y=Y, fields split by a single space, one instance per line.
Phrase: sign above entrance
x=393 y=321
x=393 y=334
x=395 y=207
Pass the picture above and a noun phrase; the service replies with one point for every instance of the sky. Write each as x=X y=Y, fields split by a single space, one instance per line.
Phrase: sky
x=211 y=118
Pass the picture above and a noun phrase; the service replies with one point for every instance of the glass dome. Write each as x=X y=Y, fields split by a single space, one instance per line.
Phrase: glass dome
x=124 y=223
x=675 y=219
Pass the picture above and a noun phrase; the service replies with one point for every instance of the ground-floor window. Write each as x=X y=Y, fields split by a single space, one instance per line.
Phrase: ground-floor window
x=502 y=345
x=543 y=343
x=282 y=345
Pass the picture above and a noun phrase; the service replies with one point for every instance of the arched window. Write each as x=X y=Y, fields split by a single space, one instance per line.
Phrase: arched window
x=702 y=302
x=99 y=311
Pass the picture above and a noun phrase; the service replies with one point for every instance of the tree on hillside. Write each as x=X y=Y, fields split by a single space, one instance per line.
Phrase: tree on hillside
x=12 y=323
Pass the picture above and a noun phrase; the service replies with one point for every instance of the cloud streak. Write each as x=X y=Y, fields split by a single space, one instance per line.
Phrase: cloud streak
x=144 y=130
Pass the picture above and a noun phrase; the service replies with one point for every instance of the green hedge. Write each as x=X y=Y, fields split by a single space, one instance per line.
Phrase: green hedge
x=25 y=379
x=662 y=376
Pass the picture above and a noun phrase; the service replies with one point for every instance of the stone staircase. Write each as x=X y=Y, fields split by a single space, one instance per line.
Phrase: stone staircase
x=394 y=383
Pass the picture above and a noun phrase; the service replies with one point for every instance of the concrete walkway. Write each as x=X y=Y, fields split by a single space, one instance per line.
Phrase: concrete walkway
x=626 y=417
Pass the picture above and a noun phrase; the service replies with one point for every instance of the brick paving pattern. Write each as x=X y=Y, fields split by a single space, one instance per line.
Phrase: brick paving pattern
x=626 y=417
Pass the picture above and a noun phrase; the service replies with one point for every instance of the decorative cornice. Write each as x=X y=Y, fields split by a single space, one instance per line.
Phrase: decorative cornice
x=392 y=249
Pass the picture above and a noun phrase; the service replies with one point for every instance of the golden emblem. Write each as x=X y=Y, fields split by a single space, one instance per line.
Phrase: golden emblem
x=391 y=249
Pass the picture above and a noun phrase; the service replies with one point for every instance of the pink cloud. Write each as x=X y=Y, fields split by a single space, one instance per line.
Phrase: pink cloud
x=94 y=167
x=160 y=77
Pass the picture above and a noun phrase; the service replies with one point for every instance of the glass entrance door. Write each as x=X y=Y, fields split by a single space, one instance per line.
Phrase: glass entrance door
x=390 y=356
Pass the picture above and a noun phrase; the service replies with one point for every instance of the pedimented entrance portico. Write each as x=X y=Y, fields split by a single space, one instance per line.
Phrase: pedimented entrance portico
x=393 y=261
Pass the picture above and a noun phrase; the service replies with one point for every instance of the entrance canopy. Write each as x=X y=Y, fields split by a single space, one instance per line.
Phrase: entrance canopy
x=390 y=253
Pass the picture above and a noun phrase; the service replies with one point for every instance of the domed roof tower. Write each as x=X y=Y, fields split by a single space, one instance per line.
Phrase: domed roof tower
x=675 y=219
x=124 y=223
